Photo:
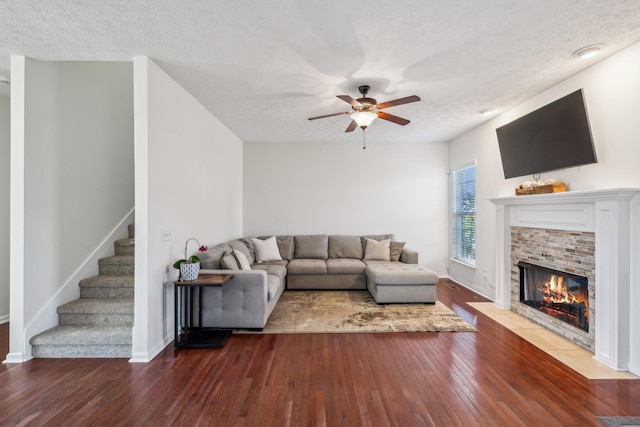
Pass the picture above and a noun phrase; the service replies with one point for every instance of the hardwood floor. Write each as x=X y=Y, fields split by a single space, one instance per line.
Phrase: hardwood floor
x=487 y=378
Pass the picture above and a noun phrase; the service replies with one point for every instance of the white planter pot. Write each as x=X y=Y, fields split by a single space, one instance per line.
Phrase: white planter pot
x=189 y=271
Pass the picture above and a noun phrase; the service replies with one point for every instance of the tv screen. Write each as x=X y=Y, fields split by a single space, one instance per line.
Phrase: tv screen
x=556 y=136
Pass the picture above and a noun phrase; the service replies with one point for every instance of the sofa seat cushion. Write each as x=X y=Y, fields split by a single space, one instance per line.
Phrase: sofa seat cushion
x=279 y=271
x=307 y=266
x=345 y=266
x=398 y=273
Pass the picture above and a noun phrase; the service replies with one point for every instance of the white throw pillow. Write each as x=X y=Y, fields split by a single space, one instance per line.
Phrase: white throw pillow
x=266 y=250
x=243 y=262
x=377 y=250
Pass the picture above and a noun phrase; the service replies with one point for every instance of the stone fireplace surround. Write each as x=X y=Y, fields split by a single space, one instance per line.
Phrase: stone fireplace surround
x=614 y=216
x=566 y=251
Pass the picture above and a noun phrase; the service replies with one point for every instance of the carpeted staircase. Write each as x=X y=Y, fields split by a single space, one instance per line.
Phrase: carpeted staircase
x=99 y=324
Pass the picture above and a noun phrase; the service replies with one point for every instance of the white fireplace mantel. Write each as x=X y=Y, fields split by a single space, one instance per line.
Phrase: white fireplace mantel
x=614 y=216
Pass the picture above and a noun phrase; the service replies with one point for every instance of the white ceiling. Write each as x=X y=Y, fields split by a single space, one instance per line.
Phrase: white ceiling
x=264 y=67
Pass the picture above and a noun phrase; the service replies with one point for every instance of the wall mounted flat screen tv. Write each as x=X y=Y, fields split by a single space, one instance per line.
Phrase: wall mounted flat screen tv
x=556 y=136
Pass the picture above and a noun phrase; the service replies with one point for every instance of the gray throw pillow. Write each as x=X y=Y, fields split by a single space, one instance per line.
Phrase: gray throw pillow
x=395 y=249
x=285 y=244
x=229 y=262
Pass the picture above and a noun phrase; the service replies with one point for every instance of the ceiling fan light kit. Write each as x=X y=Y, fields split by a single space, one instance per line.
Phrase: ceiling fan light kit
x=365 y=110
x=364 y=118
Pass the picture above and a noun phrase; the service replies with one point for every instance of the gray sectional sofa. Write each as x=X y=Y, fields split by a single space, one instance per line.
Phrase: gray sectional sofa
x=375 y=262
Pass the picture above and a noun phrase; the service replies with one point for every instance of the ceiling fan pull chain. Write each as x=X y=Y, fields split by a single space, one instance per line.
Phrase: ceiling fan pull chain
x=364 y=140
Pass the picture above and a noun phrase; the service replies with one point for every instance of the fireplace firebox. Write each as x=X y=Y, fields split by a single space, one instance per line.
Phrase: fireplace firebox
x=559 y=294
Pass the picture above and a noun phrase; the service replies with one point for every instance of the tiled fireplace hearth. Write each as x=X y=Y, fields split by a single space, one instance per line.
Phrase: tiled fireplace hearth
x=593 y=234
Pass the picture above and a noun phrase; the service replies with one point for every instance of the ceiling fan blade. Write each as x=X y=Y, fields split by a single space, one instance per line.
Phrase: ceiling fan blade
x=349 y=100
x=395 y=119
x=400 y=101
x=330 y=115
x=352 y=126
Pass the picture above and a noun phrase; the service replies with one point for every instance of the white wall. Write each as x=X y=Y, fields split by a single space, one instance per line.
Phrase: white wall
x=76 y=129
x=5 y=143
x=338 y=188
x=189 y=182
x=611 y=90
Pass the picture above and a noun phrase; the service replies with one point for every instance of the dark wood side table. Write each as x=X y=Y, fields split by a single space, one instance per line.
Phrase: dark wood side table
x=187 y=333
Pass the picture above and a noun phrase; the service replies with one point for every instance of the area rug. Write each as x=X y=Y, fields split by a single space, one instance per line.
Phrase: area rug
x=620 y=421
x=356 y=311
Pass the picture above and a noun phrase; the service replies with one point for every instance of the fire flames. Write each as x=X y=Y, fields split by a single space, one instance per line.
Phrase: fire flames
x=555 y=291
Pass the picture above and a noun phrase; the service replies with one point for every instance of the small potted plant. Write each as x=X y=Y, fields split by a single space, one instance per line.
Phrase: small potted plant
x=189 y=267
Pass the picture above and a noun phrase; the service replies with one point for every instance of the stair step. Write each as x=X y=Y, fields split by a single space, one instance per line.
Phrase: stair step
x=83 y=341
x=125 y=246
x=97 y=311
x=99 y=324
x=105 y=286
x=117 y=265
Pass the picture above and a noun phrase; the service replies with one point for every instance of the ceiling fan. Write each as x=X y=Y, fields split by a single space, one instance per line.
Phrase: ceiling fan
x=364 y=110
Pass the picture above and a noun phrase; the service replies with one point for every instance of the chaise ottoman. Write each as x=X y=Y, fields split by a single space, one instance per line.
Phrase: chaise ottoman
x=396 y=282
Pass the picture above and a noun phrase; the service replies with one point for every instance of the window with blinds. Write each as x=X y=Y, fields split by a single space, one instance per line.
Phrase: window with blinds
x=463 y=214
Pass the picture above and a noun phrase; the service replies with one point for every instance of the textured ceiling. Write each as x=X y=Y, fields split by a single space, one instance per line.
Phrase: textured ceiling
x=264 y=67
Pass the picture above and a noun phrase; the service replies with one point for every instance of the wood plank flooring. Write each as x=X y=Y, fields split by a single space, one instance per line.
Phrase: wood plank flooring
x=486 y=378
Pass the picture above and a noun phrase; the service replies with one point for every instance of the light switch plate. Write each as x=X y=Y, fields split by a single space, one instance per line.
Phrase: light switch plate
x=165 y=235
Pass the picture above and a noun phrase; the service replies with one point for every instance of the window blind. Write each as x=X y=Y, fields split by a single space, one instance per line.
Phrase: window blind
x=463 y=215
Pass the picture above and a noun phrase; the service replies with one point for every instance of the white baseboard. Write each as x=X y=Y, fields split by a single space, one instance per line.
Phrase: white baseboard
x=148 y=356
x=477 y=291
x=142 y=357
x=4 y=319
x=16 y=358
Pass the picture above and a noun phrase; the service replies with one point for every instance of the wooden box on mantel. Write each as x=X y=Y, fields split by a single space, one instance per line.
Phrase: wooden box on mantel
x=558 y=187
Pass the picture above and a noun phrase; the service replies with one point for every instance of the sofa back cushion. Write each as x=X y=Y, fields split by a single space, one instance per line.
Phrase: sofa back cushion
x=345 y=247
x=212 y=258
x=312 y=246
